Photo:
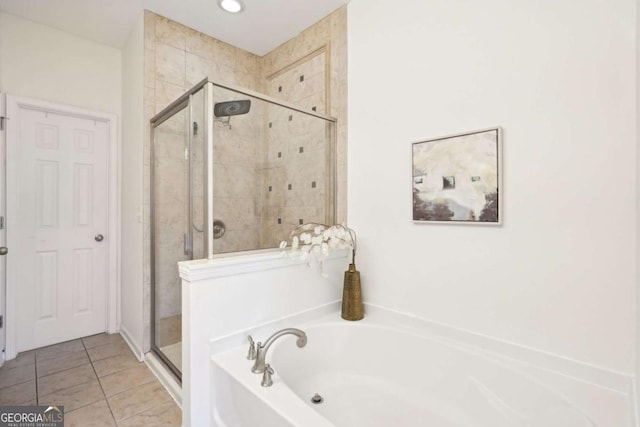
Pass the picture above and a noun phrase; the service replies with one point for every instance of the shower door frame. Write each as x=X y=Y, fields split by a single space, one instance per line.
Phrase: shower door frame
x=186 y=101
x=176 y=107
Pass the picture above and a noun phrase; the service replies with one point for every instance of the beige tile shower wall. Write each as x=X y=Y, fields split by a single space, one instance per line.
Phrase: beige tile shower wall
x=177 y=58
x=294 y=164
x=323 y=45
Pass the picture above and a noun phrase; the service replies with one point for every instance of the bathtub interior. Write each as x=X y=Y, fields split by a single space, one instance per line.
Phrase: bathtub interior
x=391 y=369
x=373 y=375
x=237 y=406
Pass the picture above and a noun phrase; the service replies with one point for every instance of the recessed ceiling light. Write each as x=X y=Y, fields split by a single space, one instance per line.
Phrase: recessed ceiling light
x=232 y=6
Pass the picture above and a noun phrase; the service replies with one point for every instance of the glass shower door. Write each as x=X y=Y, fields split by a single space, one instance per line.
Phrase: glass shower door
x=178 y=217
x=170 y=210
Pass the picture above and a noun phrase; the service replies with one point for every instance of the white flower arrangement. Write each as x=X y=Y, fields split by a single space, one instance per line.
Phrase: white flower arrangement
x=314 y=242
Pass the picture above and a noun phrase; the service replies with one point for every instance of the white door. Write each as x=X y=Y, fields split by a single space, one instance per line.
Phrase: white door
x=60 y=252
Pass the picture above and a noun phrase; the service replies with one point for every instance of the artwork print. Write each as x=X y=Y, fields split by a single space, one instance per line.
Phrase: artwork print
x=456 y=179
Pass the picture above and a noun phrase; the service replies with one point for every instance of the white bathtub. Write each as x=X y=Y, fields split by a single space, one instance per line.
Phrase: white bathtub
x=378 y=372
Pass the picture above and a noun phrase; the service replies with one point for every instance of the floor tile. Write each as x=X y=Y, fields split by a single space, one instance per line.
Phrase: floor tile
x=65 y=379
x=167 y=415
x=68 y=361
x=102 y=339
x=19 y=394
x=114 y=364
x=78 y=374
x=23 y=359
x=108 y=350
x=127 y=379
x=17 y=375
x=74 y=397
x=58 y=350
x=138 y=400
x=94 y=415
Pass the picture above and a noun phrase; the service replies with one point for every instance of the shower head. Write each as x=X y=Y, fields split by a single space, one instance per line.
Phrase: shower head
x=231 y=108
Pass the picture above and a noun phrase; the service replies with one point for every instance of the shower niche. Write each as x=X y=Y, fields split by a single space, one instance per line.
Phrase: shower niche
x=232 y=171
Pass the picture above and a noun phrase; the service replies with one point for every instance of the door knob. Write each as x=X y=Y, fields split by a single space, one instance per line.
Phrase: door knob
x=99 y=238
x=4 y=250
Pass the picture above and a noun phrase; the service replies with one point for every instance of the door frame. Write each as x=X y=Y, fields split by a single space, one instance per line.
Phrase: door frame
x=13 y=104
x=3 y=231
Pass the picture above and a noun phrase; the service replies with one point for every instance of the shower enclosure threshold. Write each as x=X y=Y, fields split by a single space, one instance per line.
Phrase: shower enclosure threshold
x=165 y=376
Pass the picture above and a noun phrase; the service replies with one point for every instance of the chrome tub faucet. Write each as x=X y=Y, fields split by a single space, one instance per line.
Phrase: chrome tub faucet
x=260 y=352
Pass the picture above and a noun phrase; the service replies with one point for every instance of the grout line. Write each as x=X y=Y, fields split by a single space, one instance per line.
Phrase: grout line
x=20 y=383
x=16 y=384
x=67 y=388
x=84 y=406
x=119 y=369
x=157 y=383
x=62 y=370
x=100 y=384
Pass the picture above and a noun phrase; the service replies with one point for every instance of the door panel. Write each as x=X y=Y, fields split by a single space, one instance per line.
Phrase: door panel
x=61 y=207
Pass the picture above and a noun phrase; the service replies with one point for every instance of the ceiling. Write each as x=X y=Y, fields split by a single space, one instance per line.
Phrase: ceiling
x=264 y=24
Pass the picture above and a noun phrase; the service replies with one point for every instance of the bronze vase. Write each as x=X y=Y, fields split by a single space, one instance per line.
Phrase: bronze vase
x=352 y=307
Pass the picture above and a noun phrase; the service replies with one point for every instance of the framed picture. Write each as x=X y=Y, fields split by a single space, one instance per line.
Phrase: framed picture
x=457 y=179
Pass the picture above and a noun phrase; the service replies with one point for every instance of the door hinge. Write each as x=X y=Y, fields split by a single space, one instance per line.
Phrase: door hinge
x=1 y=223
x=3 y=121
x=1 y=321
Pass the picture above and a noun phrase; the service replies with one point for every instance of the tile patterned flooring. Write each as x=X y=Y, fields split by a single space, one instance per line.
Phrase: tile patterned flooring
x=97 y=379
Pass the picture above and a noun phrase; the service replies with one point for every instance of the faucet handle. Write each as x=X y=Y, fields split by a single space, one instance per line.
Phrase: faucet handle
x=251 y=355
x=266 y=376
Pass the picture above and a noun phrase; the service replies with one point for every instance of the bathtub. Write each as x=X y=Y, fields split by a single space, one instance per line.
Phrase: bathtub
x=383 y=372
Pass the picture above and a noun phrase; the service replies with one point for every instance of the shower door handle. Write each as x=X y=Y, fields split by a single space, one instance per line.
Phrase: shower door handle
x=187 y=244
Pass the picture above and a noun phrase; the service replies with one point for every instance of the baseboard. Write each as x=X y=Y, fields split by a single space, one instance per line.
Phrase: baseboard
x=137 y=351
x=165 y=377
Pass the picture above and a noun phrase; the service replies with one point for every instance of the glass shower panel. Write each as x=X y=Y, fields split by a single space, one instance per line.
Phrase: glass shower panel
x=170 y=207
x=272 y=171
x=236 y=150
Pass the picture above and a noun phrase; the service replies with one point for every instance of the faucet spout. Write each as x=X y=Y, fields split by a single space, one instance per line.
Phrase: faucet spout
x=259 y=365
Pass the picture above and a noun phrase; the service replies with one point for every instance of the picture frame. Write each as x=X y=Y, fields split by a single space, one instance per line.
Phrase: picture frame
x=457 y=179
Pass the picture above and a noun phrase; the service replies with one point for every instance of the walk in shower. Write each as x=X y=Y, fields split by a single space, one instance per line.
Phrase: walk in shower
x=232 y=170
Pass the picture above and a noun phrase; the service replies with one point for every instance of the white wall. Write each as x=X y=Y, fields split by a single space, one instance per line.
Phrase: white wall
x=559 y=77
x=132 y=185
x=44 y=63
